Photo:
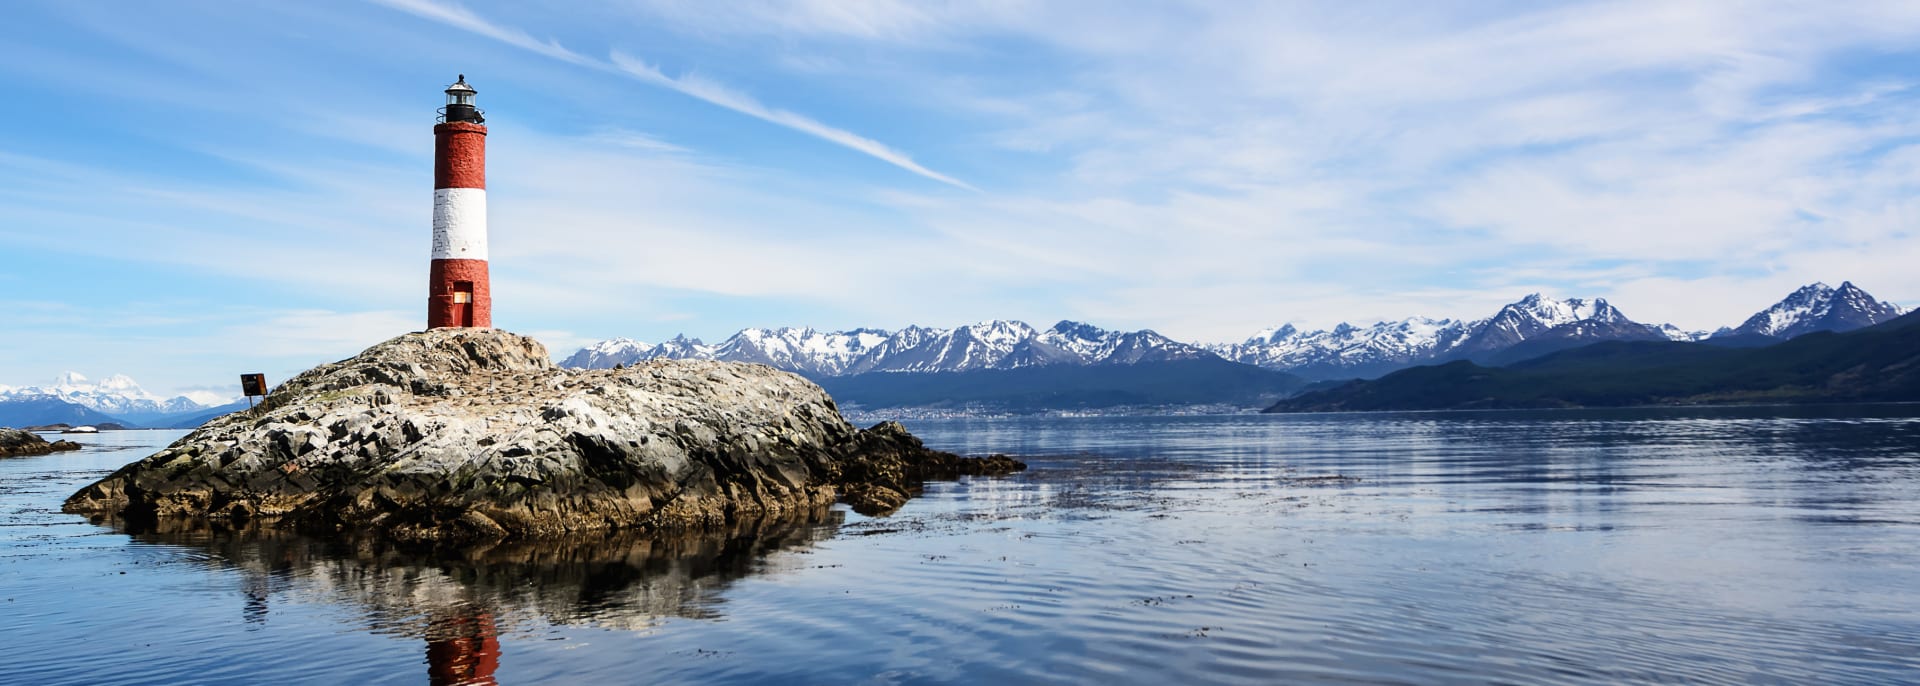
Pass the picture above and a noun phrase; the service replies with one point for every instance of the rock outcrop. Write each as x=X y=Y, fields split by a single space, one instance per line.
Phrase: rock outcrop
x=457 y=434
x=17 y=443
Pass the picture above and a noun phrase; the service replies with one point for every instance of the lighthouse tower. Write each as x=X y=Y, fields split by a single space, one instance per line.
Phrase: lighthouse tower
x=457 y=292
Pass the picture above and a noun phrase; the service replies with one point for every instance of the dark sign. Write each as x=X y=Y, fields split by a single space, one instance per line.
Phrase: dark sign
x=253 y=384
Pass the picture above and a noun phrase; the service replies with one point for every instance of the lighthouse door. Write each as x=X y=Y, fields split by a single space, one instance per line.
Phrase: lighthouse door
x=463 y=303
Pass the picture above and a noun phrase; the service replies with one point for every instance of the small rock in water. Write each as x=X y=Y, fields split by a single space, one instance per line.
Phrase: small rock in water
x=17 y=443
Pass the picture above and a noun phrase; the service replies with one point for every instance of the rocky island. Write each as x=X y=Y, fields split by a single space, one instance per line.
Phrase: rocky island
x=460 y=434
x=17 y=443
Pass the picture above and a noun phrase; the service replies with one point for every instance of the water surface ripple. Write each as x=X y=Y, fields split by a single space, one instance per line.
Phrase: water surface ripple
x=1694 y=545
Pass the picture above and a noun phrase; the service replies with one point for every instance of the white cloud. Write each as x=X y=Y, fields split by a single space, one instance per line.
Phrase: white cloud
x=211 y=398
x=317 y=333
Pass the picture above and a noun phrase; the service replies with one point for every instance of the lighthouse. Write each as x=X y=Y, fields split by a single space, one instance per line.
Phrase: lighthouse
x=457 y=292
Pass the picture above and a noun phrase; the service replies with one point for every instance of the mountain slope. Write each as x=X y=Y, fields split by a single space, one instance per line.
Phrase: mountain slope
x=41 y=410
x=1815 y=307
x=1573 y=335
x=1208 y=380
x=1880 y=363
x=621 y=351
x=1538 y=325
x=194 y=420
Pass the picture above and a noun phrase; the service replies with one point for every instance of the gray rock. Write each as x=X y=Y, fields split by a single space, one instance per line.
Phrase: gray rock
x=17 y=443
x=476 y=434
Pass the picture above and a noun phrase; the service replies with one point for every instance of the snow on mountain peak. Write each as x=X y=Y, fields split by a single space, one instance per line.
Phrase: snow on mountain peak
x=1347 y=350
x=999 y=332
x=208 y=398
x=1551 y=312
x=1675 y=333
x=75 y=383
x=1817 y=307
x=618 y=344
x=1274 y=334
x=804 y=350
x=995 y=344
x=605 y=354
x=116 y=394
x=1344 y=351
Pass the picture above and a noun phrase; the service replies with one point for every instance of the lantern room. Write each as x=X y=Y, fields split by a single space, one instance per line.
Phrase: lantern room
x=460 y=106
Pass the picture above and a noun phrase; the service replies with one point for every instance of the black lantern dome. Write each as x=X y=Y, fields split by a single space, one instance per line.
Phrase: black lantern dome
x=460 y=104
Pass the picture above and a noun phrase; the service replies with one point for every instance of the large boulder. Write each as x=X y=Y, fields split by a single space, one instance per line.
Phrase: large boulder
x=17 y=443
x=475 y=433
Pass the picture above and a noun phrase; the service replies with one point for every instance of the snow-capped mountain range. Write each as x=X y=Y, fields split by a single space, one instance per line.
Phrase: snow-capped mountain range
x=1533 y=326
x=1538 y=323
x=115 y=395
x=988 y=345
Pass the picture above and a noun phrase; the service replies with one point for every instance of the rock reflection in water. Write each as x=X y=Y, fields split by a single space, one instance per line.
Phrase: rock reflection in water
x=460 y=599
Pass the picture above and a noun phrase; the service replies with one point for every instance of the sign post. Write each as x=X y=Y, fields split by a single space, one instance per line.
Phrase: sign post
x=253 y=385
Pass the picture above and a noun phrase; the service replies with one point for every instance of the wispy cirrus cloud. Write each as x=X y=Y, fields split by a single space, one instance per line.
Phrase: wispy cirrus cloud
x=464 y=19
x=706 y=90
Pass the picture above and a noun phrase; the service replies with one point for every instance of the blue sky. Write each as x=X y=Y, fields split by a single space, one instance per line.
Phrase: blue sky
x=191 y=190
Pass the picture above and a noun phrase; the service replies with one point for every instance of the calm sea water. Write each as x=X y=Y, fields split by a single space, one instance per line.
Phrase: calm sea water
x=1700 y=545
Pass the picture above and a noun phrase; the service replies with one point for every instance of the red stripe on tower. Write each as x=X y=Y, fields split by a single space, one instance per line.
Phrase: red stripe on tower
x=458 y=294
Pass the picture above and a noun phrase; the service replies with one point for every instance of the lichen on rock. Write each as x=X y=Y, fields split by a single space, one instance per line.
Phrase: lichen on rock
x=475 y=434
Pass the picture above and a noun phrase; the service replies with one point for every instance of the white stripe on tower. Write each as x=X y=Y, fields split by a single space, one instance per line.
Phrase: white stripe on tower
x=460 y=224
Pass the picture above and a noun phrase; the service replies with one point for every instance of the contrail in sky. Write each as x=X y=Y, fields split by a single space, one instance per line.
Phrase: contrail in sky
x=693 y=86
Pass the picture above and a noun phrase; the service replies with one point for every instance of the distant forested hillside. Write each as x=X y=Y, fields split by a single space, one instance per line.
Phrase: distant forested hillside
x=1052 y=387
x=1880 y=363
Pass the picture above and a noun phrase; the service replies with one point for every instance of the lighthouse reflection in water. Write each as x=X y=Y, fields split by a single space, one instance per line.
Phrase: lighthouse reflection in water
x=459 y=600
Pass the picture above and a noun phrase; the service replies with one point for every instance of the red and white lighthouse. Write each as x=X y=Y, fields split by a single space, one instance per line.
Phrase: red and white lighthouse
x=457 y=292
